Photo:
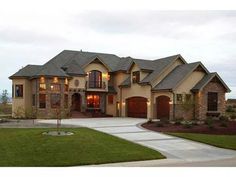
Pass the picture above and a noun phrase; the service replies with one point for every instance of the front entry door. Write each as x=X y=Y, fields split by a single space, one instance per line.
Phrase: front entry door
x=76 y=102
x=163 y=107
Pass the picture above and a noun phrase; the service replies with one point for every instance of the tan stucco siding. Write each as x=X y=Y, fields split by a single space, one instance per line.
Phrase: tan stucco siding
x=143 y=75
x=101 y=68
x=118 y=79
x=20 y=105
x=166 y=72
x=190 y=82
x=82 y=82
x=111 y=108
x=136 y=90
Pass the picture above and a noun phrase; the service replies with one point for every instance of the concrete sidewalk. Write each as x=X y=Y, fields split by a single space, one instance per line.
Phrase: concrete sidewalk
x=177 y=150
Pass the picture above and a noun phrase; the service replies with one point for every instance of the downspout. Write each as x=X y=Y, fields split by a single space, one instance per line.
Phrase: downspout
x=36 y=98
x=173 y=105
x=121 y=101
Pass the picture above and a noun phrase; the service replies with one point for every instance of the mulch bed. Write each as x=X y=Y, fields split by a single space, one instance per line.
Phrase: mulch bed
x=204 y=129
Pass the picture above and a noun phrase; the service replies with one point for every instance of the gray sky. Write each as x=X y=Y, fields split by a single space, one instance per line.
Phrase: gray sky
x=32 y=36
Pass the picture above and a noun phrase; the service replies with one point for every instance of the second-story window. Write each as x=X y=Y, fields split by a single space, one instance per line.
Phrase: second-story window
x=136 y=76
x=95 y=79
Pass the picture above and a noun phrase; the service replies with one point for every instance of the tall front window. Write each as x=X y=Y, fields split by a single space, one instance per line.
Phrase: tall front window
x=95 y=79
x=136 y=76
x=93 y=101
x=19 y=91
x=42 y=101
x=55 y=100
x=212 y=101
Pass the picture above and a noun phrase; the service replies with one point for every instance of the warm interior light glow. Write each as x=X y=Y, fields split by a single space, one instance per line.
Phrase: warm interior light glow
x=42 y=80
x=55 y=80
x=123 y=103
x=66 y=81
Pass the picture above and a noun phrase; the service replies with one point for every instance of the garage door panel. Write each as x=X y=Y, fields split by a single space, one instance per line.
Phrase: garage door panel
x=137 y=107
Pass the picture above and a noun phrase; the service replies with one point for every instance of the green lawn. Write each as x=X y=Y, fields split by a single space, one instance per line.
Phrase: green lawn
x=28 y=147
x=223 y=141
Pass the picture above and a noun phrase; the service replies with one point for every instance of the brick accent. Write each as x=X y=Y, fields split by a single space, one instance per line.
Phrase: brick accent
x=201 y=99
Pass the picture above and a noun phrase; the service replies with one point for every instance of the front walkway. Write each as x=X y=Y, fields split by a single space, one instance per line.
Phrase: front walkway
x=177 y=150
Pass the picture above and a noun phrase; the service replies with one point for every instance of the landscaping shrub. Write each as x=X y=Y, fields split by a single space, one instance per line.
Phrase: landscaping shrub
x=223 y=118
x=208 y=121
x=187 y=124
x=211 y=126
x=150 y=121
x=159 y=124
x=223 y=124
x=178 y=121
x=233 y=116
x=230 y=109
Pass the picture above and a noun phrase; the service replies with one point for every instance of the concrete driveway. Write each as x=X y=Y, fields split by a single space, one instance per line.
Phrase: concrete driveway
x=177 y=150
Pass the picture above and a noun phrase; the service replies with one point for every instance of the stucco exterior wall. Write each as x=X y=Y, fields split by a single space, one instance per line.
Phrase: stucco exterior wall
x=20 y=105
x=136 y=90
x=111 y=108
x=190 y=82
x=82 y=82
x=101 y=68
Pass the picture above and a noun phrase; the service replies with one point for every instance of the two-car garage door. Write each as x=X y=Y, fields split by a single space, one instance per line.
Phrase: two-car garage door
x=136 y=107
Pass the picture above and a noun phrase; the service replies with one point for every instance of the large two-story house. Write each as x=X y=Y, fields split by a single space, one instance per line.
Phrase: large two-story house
x=166 y=88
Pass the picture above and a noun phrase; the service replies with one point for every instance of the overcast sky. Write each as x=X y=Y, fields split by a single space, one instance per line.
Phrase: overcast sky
x=30 y=35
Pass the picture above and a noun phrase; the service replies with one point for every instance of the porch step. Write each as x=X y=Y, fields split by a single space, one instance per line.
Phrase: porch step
x=76 y=114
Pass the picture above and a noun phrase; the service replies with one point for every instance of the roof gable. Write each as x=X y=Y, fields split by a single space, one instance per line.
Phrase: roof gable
x=177 y=76
x=208 y=78
x=160 y=66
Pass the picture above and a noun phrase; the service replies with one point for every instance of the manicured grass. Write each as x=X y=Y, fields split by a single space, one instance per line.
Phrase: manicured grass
x=28 y=147
x=223 y=141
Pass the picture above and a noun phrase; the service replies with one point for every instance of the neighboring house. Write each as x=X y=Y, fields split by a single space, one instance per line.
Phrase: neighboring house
x=96 y=82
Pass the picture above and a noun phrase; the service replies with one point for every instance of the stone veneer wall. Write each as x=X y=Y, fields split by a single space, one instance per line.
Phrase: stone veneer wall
x=201 y=99
x=180 y=112
x=48 y=112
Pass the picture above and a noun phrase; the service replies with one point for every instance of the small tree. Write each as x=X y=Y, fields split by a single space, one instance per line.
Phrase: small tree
x=4 y=97
x=187 y=105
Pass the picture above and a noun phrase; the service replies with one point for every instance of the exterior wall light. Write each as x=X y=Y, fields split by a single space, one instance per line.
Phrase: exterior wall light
x=170 y=102
x=148 y=102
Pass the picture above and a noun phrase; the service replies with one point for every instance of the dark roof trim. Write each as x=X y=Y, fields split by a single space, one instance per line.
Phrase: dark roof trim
x=201 y=86
x=98 y=58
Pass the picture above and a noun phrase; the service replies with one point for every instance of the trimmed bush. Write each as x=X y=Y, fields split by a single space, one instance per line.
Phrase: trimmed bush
x=159 y=124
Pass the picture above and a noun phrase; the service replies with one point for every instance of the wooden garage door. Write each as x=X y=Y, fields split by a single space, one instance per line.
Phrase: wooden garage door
x=137 y=107
x=163 y=107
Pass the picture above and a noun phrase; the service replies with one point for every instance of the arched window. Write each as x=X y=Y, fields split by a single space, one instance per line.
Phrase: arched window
x=95 y=79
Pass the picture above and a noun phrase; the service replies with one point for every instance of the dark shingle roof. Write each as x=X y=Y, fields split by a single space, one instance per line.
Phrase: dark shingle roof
x=176 y=76
x=74 y=68
x=159 y=66
x=27 y=71
x=70 y=62
x=126 y=82
x=206 y=79
x=51 y=70
x=111 y=89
